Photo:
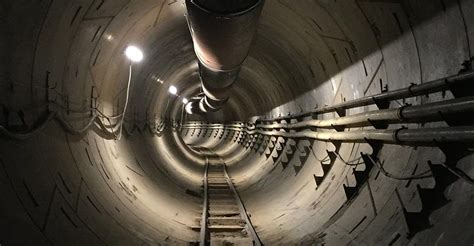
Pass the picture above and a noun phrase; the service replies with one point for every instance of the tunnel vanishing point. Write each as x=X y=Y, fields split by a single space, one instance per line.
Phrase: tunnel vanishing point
x=226 y=122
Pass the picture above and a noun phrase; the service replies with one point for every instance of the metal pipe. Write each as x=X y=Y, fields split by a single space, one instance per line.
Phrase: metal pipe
x=222 y=32
x=444 y=110
x=461 y=134
x=357 y=120
x=418 y=137
x=402 y=136
x=407 y=114
x=411 y=91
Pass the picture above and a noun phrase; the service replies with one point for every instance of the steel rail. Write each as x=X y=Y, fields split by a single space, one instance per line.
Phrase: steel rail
x=243 y=211
x=203 y=232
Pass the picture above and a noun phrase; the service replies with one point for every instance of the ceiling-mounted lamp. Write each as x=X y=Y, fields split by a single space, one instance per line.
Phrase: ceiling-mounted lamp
x=173 y=90
x=134 y=53
x=185 y=100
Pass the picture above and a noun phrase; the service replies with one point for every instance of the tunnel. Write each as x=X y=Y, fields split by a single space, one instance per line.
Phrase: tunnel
x=348 y=123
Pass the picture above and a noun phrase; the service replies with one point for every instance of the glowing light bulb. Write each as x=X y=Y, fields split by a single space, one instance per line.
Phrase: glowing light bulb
x=134 y=54
x=173 y=90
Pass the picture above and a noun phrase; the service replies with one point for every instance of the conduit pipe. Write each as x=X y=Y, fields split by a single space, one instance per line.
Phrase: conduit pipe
x=413 y=90
x=455 y=109
x=401 y=136
x=222 y=32
x=444 y=110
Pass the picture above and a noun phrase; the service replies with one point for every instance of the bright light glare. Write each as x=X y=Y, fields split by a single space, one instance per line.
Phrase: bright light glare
x=185 y=100
x=189 y=108
x=134 y=54
x=173 y=90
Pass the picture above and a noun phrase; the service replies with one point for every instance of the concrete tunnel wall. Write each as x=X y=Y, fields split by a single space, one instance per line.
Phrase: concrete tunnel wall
x=59 y=187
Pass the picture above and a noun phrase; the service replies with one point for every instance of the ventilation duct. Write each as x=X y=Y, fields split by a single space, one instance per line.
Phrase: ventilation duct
x=222 y=32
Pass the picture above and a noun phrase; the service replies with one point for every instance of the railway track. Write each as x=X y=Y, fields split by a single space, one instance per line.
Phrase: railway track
x=224 y=220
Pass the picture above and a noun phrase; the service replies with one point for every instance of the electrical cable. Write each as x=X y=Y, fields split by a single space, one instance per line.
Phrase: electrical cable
x=26 y=135
x=126 y=103
x=326 y=158
x=113 y=131
x=70 y=129
x=65 y=124
x=459 y=173
x=106 y=116
x=351 y=162
x=393 y=176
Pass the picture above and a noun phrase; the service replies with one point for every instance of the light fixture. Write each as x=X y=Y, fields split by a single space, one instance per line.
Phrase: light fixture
x=185 y=100
x=189 y=108
x=173 y=90
x=133 y=53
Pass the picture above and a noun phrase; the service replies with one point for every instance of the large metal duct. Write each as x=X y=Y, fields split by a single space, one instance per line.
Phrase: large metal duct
x=222 y=32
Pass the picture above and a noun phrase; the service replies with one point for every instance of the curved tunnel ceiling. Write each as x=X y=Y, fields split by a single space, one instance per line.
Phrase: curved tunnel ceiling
x=65 y=178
